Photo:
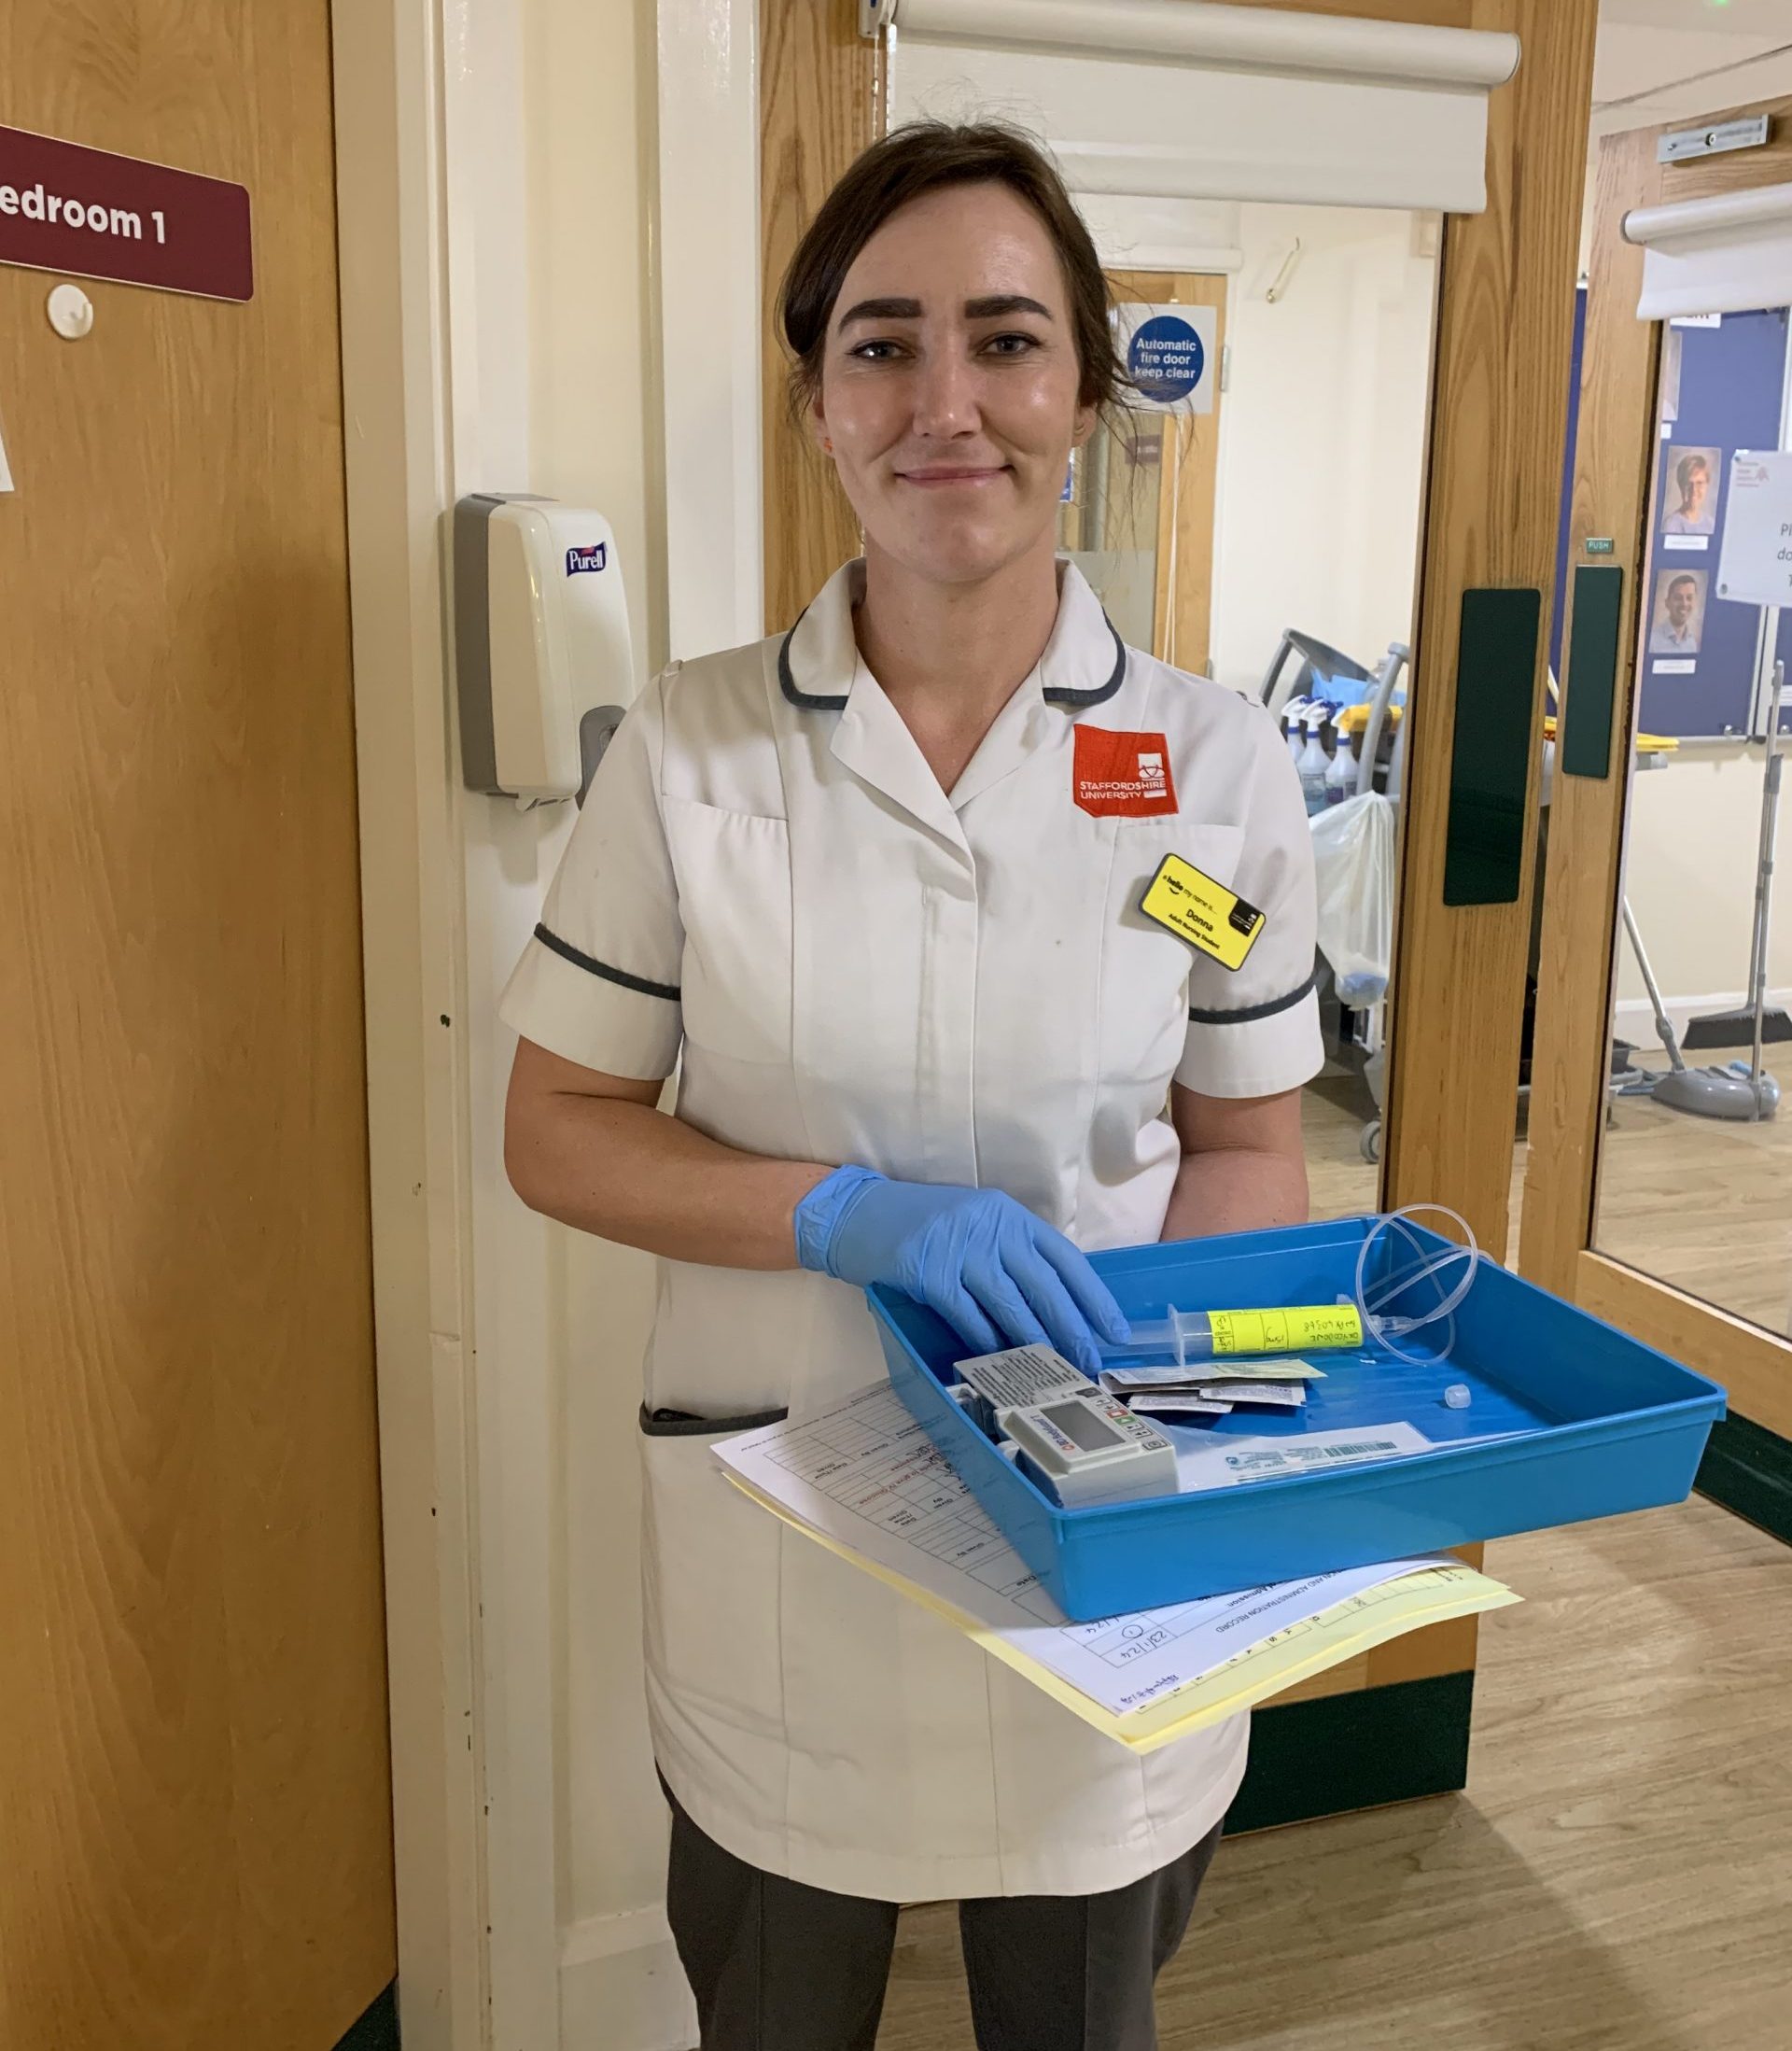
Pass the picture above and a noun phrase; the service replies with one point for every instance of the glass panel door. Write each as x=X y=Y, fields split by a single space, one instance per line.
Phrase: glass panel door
x=1658 y=1188
x=1695 y=1184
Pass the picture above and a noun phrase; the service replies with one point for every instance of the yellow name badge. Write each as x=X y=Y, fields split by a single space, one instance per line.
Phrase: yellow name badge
x=1202 y=912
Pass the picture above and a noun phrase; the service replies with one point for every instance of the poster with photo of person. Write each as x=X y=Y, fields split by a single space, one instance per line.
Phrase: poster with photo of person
x=1690 y=495
x=1677 y=623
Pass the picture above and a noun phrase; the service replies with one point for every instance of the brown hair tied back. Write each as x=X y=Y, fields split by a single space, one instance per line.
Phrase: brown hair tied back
x=920 y=158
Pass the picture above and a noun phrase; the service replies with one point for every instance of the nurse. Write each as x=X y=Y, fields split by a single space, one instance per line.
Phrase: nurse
x=874 y=882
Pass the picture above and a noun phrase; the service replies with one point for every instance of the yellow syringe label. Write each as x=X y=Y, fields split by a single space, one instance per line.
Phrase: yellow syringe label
x=1287 y=1331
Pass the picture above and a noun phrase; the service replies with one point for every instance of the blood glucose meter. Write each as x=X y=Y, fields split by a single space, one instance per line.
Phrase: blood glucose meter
x=1088 y=1448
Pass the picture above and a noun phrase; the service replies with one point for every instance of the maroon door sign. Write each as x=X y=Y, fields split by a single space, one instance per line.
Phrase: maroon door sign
x=87 y=212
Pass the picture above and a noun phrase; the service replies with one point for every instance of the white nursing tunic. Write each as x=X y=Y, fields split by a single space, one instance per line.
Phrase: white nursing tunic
x=767 y=881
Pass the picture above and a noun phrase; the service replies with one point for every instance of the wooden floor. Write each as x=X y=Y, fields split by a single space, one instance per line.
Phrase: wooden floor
x=1697 y=1202
x=1333 y=1112
x=1340 y=1182
x=1619 y=1874
x=1703 y=1204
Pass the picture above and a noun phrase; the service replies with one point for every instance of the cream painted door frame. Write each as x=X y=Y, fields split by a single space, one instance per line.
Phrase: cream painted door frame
x=425 y=99
x=433 y=201
x=393 y=260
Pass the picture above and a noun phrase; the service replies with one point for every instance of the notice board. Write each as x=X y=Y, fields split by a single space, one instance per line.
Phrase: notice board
x=1722 y=385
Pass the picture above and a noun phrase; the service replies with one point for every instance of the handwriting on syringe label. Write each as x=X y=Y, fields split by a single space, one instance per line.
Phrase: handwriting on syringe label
x=1287 y=1331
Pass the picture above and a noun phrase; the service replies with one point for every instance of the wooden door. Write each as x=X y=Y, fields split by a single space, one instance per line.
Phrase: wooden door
x=194 y=1783
x=1670 y=1223
x=1397 y=1722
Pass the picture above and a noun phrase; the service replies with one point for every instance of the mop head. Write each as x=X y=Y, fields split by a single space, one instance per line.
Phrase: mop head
x=1719 y=1092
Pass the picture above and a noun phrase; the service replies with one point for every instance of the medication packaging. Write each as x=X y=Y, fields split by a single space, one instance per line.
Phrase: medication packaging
x=1022 y=1375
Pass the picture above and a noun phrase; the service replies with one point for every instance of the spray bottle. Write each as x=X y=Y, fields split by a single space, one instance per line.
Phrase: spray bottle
x=1341 y=777
x=1312 y=762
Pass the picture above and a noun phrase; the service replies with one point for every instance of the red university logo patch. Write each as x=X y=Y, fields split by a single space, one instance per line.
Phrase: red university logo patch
x=1122 y=776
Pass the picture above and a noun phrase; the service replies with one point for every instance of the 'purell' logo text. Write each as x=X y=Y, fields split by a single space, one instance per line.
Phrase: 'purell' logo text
x=593 y=558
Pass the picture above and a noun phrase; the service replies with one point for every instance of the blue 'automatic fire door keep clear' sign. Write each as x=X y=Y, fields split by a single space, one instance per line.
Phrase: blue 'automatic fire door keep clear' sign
x=1171 y=356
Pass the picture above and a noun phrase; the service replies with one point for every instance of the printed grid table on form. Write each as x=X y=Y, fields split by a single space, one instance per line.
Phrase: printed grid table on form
x=878 y=1463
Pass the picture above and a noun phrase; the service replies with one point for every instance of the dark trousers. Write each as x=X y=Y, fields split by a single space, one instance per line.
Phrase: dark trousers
x=777 y=1966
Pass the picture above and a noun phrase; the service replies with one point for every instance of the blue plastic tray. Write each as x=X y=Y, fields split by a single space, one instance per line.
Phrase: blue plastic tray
x=1605 y=1425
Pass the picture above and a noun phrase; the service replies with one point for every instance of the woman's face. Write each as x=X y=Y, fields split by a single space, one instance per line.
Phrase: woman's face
x=948 y=393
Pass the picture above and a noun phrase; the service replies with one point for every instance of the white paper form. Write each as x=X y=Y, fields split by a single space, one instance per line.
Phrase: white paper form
x=865 y=1474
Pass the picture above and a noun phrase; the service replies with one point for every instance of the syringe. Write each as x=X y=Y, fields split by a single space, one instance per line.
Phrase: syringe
x=1185 y=1338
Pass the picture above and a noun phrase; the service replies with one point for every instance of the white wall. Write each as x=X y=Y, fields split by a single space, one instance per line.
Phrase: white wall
x=552 y=152
x=1322 y=431
x=590 y=91
x=594 y=411
x=1694 y=829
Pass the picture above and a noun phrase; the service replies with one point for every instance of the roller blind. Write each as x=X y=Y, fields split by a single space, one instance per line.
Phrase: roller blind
x=1164 y=234
x=1178 y=99
x=1725 y=255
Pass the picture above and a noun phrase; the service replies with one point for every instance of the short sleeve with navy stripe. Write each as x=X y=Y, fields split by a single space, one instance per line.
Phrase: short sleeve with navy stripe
x=1253 y=1031
x=598 y=984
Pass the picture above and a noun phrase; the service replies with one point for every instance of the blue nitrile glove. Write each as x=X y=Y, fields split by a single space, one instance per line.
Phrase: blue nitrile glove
x=992 y=1268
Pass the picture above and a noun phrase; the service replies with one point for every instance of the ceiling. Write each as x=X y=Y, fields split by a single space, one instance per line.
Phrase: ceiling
x=1769 y=19
x=1657 y=60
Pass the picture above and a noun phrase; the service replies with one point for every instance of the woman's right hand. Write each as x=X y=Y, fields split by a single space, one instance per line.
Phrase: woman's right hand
x=1001 y=1276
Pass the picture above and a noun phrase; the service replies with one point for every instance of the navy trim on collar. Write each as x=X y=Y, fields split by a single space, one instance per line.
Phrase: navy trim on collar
x=1081 y=700
x=813 y=701
x=805 y=701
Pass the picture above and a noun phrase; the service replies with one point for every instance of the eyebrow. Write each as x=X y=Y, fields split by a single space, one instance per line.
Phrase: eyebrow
x=995 y=307
x=1001 y=303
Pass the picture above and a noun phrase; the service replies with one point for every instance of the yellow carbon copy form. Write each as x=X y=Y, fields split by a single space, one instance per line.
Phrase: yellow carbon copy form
x=1205 y=914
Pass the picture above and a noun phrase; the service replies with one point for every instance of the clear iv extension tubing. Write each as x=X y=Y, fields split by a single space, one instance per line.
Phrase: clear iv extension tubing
x=1189 y=1338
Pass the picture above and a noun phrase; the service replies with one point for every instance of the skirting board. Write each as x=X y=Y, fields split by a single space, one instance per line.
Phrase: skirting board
x=1633 y=1019
x=378 y=2029
x=621 y=1985
x=1748 y=1470
x=1356 y=1751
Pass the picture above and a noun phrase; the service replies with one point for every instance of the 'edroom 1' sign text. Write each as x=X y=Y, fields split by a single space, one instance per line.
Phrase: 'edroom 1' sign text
x=86 y=213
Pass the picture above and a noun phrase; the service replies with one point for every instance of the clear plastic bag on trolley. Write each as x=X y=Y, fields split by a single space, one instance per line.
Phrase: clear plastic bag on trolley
x=1354 y=861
